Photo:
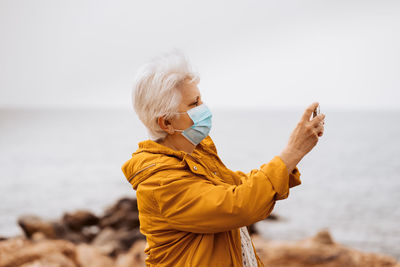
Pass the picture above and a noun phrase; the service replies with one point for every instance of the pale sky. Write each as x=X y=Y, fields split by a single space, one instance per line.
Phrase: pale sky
x=342 y=53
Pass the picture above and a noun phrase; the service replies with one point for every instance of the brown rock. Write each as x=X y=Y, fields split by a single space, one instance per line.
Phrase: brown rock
x=11 y=245
x=52 y=260
x=319 y=250
x=112 y=242
x=79 y=219
x=90 y=232
x=323 y=237
x=127 y=204
x=85 y=235
x=106 y=243
x=27 y=252
x=128 y=237
x=89 y=256
x=135 y=257
x=252 y=229
x=121 y=219
x=272 y=217
x=38 y=236
x=124 y=214
x=32 y=224
x=75 y=237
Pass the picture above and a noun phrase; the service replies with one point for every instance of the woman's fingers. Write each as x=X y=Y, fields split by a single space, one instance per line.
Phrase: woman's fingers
x=307 y=113
x=319 y=129
x=305 y=136
x=318 y=120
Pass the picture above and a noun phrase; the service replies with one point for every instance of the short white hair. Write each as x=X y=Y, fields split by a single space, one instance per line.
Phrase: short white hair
x=155 y=91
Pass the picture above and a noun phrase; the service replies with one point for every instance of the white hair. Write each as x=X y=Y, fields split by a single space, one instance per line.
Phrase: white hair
x=155 y=91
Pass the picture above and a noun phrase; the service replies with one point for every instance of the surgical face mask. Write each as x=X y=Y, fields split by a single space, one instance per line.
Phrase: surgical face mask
x=201 y=117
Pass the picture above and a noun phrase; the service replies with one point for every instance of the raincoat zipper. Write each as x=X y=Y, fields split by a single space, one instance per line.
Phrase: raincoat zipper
x=145 y=168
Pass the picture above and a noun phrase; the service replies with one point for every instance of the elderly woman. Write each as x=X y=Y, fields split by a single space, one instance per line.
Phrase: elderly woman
x=193 y=210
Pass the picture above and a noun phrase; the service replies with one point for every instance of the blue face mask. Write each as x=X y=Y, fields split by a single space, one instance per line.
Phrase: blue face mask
x=201 y=117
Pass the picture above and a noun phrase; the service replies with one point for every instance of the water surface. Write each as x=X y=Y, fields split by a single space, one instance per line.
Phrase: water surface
x=53 y=161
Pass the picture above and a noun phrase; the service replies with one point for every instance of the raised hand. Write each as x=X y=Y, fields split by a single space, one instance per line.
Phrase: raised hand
x=304 y=137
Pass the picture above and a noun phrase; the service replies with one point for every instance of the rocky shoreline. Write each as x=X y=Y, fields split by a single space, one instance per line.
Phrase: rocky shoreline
x=82 y=239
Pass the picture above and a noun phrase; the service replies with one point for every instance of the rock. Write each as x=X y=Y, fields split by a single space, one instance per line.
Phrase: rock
x=38 y=236
x=127 y=204
x=89 y=256
x=75 y=237
x=60 y=229
x=128 y=237
x=28 y=252
x=32 y=224
x=272 y=217
x=124 y=214
x=323 y=237
x=85 y=235
x=90 y=232
x=79 y=219
x=116 y=241
x=106 y=243
x=252 y=229
x=121 y=219
x=112 y=242
x=135 y=257
x=319 y=250
x=52 y=260
x=11 y=245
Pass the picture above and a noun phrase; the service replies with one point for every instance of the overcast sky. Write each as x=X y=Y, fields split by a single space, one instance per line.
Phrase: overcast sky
x=344 y=54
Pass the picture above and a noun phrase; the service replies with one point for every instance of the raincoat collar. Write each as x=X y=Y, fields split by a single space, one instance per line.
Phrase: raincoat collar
x=152 y=156
x=153 y=147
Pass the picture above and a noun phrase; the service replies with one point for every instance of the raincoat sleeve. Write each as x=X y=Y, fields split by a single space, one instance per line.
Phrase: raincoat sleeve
x=197 y=205
x=281 y=189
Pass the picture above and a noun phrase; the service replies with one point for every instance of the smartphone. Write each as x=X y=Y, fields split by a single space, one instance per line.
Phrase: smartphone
x=316 y=112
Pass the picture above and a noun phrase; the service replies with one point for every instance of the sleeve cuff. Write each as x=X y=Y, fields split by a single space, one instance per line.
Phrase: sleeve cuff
x=294 y=178
x=281 y=180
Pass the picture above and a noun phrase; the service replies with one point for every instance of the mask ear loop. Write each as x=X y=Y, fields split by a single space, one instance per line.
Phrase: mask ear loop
x=177 y=130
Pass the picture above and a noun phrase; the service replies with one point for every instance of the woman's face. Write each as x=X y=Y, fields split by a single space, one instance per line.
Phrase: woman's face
x=190 y=98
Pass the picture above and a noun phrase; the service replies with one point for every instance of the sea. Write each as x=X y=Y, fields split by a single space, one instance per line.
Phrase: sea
x=59 y=160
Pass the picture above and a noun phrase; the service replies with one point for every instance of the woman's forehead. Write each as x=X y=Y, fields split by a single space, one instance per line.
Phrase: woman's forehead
x=190 y=91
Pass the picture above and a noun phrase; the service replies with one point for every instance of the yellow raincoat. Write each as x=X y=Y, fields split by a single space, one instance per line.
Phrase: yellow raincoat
x=191 y=206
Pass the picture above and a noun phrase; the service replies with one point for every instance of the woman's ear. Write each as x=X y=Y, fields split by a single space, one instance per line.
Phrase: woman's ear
x=165 y=125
